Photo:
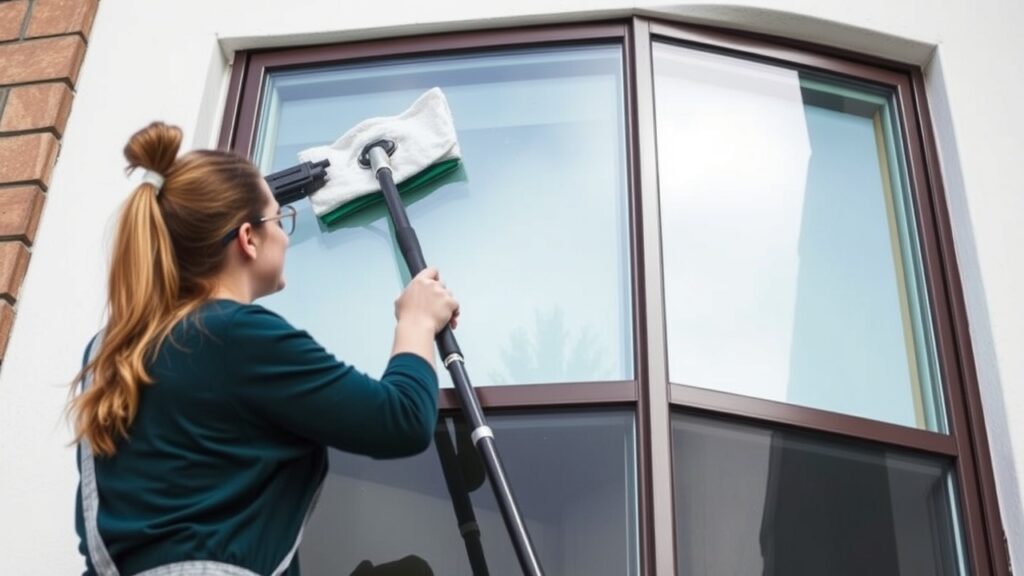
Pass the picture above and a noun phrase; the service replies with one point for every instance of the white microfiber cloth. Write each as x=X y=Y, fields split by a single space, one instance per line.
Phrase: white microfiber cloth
x=426 y=145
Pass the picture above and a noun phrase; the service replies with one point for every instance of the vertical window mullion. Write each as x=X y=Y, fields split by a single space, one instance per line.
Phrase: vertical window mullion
x=653 y=376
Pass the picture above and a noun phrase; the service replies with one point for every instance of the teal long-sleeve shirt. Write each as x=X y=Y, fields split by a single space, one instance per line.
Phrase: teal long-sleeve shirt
x=230 y=442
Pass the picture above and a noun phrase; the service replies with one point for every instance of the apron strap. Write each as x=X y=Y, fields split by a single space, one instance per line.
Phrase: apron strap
x=101 y=560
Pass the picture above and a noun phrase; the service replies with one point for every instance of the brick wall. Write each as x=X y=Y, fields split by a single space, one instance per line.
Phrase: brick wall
x=42 y=43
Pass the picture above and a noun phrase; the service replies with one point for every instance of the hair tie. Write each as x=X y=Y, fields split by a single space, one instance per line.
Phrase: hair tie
x=153 y=178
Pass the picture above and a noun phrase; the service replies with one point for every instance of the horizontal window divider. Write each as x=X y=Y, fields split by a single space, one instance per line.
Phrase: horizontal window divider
x=801 y=417
x=583 y=394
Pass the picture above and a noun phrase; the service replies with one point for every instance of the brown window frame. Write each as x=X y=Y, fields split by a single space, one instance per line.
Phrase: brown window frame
x=649 y=392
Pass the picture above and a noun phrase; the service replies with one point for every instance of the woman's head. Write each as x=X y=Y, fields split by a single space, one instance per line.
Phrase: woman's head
x=176 y=243
x=205 y=194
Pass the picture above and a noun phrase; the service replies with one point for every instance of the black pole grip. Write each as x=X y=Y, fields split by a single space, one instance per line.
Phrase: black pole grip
x=409 y=244
x=446 y=343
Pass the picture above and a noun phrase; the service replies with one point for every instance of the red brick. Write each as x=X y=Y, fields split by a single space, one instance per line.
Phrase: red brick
x=13 y=262
x=37 y=106
x=40 y=60
x=6 y=322
x=27 y=158
x=12 y=15
x=20 y=208
x=52 y=17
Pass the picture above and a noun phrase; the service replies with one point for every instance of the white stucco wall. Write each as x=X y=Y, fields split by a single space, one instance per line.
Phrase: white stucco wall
x=166 y=59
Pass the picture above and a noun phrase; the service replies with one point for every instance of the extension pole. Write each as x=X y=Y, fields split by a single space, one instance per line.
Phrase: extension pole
x=376 y=156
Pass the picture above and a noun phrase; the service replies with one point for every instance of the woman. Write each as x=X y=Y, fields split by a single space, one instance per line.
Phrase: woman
x=204 y=420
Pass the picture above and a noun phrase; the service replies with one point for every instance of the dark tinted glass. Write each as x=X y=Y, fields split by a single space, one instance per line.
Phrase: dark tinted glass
x=573 y=475
x=754 y=501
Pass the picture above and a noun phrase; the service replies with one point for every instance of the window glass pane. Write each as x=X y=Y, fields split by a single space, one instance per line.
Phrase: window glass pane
x=777 y=503
x=791 y=260
x=573 y=476
x=531 y=233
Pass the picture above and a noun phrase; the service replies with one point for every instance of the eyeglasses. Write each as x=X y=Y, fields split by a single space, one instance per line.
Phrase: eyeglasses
x=285 y=218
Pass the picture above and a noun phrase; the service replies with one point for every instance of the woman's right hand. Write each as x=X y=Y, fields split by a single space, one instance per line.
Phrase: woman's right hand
x=426 y=302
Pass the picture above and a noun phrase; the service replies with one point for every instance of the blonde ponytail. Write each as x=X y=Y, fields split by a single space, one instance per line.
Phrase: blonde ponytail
x=166 y=252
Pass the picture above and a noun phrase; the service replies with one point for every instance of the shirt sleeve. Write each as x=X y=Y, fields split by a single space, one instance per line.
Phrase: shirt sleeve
x=281 y=374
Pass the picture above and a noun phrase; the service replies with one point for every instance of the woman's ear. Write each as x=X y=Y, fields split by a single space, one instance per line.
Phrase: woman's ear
x=247 y=240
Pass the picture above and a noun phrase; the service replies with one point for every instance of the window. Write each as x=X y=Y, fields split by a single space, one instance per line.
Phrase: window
x=790 y=265
x=532 y=228
x=727 y=336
